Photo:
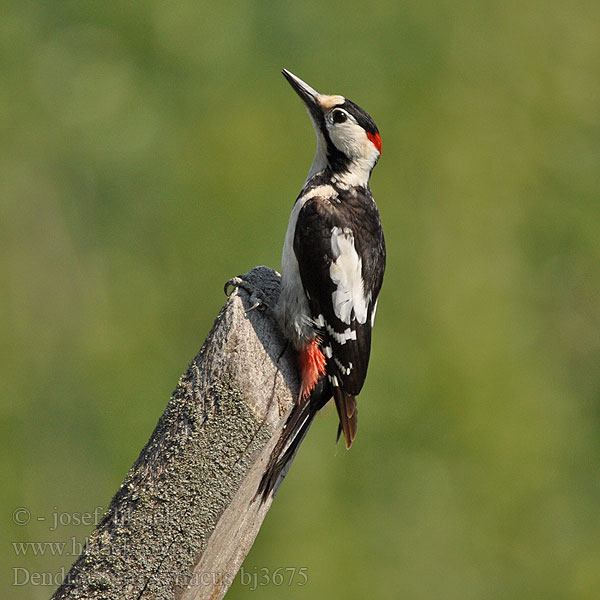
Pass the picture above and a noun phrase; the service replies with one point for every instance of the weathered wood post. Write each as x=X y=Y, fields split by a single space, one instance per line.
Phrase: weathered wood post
x=185 y=516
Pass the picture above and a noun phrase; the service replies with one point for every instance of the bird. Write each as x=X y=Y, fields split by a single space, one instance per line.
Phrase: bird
x=332 y=269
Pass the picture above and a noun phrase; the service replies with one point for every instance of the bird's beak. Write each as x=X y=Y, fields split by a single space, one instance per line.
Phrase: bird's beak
x=309 y=95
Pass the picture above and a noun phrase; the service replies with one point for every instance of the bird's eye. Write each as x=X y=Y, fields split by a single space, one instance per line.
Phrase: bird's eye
x=339 y=116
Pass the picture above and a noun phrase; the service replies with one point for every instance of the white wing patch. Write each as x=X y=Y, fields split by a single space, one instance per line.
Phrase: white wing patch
x=346 y=272
x=341 y=338
x=344 y=370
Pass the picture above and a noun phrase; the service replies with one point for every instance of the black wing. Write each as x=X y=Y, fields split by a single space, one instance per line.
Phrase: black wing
x=340 y=250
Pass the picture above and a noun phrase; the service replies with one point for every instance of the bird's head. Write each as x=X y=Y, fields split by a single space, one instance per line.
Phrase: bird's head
x=348 y=141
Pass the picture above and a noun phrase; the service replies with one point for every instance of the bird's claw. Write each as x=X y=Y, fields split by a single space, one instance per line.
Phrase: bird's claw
x=256 y=297
x=234 y=282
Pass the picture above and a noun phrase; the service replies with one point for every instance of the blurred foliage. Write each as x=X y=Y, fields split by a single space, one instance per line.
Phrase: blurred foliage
x=149 y=151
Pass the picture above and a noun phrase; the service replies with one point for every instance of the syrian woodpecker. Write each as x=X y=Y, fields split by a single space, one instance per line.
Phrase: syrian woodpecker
x=332 y=270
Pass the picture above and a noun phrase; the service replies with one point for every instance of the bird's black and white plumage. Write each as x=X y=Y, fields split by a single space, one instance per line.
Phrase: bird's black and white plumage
x=332 y=269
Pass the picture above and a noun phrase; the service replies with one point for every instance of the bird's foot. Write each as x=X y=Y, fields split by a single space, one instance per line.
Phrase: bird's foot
x=256 y=295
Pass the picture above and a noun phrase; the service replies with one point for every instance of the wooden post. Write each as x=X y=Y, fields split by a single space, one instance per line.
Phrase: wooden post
x=185 y=517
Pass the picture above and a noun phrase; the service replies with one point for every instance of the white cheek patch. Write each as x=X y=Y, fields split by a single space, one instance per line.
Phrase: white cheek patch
x=346 y=273
x=350 y=138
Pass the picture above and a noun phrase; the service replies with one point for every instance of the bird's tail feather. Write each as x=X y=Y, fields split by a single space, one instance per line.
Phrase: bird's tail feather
x=348 y=413
x=300 y=418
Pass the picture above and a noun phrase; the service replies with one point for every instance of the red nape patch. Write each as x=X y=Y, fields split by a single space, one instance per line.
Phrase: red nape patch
x=312 y=366
x=376 y=139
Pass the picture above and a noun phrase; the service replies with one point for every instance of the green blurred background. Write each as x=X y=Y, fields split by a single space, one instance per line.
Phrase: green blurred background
x=150 y=151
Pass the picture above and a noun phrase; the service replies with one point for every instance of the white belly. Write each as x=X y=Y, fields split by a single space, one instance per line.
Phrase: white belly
x=292 y=309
